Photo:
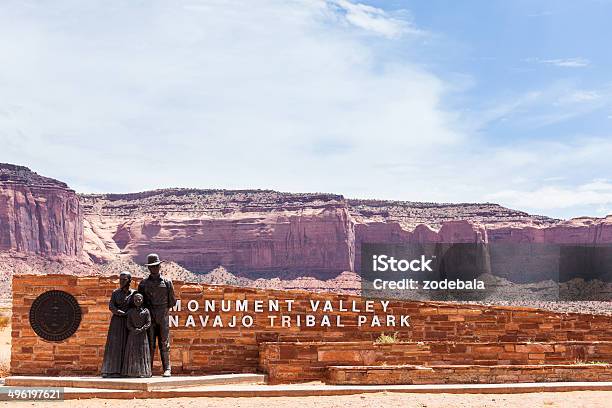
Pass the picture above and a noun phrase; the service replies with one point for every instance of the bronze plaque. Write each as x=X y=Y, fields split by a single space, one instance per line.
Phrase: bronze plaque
x=55 y=315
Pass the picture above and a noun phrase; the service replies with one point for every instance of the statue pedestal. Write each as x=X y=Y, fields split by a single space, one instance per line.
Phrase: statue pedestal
x=134 y=384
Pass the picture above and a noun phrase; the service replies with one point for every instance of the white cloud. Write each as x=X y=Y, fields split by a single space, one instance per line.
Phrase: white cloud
x=375 y=20
x=580 y=96
x=296 y=96
x=559 y=101
x=284 y=95
x=564 y=62
x=555 y=197
x=563 y=196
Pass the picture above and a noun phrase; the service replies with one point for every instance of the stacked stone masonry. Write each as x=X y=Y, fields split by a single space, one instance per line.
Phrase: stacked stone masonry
x=468 y=374
x=199 y=350
x=297 y=362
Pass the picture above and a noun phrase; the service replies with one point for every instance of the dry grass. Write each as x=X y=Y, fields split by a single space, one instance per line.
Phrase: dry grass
x=4 y=322
x=386 y=339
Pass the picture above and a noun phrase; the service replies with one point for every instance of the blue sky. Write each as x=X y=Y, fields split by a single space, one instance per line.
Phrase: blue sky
x=452 y=101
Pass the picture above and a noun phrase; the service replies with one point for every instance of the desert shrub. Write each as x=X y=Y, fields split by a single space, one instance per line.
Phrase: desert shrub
x=4 y=321
x=386 y=339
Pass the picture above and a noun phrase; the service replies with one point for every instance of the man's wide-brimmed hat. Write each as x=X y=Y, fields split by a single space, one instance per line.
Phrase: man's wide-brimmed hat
x=152 y=260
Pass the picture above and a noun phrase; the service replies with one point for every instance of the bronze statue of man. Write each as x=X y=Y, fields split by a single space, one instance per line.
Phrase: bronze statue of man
x=159 y=298
x=119 y=304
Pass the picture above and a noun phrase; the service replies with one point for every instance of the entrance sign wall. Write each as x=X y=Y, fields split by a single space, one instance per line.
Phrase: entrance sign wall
x=207 y=341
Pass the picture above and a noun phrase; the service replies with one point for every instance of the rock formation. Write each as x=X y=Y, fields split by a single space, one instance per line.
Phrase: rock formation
x=263 y=234
x=267 y=234
x=252 y=233
x=38 y=214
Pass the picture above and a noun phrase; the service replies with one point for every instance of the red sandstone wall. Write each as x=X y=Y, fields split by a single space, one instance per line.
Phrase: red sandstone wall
x=300 y=243
x=40 y=219
x=576 y=231
x=299 y=362
x=201 y=350
x=467 y=374
x=252 y=232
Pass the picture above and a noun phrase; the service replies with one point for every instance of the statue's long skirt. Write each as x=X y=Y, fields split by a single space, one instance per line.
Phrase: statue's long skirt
x=137 y=361
x=115 y=346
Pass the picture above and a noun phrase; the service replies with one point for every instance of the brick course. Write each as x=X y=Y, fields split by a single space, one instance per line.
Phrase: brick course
x=470 y=374
x=298 y=362
x=222 y=350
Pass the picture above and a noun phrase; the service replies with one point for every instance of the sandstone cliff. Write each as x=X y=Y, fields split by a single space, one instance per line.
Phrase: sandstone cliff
x=253 y=233
x=38 y=214
x=406 y=222
x=257 y=233
x=267 y=234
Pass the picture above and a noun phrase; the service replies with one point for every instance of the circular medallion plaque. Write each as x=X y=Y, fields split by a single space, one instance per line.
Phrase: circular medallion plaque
x=55 y=315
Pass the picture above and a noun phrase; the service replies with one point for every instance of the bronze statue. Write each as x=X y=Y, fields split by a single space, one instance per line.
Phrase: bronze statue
x=159 y=298
x=119 y=304
x=137 y=360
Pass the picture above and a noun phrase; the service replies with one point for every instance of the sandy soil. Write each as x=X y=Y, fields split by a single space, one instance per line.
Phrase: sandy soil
x=590 y=399
x=5 y=343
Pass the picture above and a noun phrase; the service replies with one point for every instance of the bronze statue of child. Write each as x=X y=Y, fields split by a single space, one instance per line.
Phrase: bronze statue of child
x=137 y=358
x=119 y=304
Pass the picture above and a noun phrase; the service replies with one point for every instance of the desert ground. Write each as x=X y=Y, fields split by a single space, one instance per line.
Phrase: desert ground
x=577 y=399
x=5 y=340
x=590 y=399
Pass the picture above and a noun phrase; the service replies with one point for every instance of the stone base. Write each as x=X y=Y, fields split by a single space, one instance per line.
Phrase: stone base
x=292 y=362
x=467 y=374
x=318 y=389
x=135 y=384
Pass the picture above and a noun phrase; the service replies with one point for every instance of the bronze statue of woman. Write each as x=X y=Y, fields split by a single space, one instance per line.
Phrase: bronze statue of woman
x=119 y=304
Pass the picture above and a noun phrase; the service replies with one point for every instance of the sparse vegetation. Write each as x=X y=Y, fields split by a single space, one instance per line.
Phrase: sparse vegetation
x=4 y=321
x=581 y=361
x=386 y=339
